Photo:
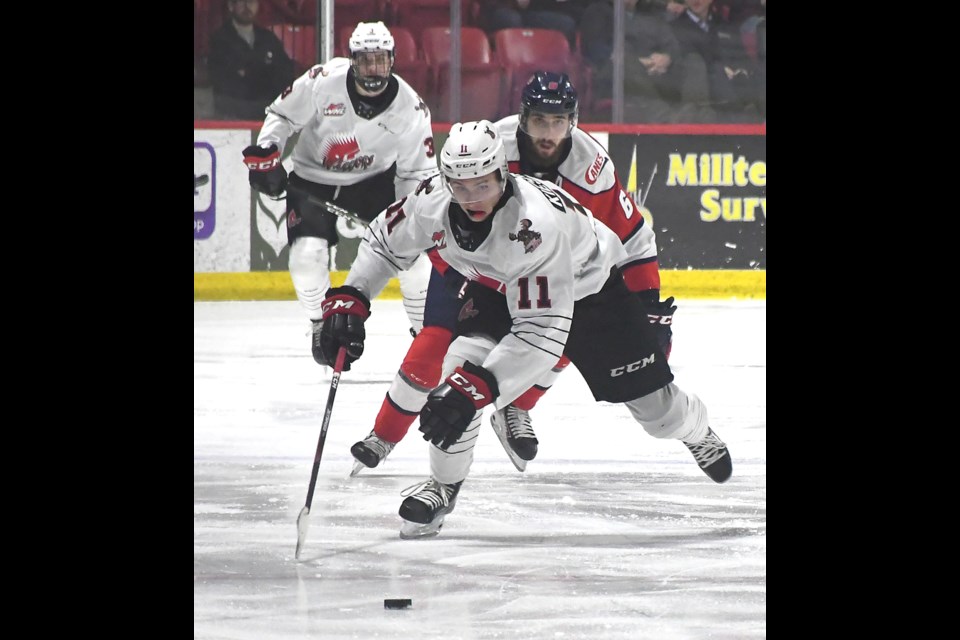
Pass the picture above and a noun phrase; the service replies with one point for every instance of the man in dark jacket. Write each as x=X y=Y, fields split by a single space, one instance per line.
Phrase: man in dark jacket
x=248 y=66
x=651 y=54
x=713 y=47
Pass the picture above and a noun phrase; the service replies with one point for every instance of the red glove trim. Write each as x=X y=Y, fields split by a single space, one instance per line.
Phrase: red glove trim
x=473 y=387
x=344 y=304
x=257 y=163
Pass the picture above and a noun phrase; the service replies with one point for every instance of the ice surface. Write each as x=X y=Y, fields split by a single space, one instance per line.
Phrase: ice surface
x=610 y=534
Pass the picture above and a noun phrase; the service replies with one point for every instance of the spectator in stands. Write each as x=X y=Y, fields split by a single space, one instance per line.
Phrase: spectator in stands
x=248 y=66
x=651 y=79
x=289 y=12
x=712 y=48
x=560 y=15
x=666 y=9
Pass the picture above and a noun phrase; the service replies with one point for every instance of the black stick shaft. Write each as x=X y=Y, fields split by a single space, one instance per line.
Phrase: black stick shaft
x=334 y=383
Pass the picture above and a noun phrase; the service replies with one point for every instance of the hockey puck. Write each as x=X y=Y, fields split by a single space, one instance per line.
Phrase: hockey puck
x=397 y=603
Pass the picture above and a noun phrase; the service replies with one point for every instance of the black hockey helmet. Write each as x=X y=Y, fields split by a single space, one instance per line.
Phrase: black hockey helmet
x=551 y=93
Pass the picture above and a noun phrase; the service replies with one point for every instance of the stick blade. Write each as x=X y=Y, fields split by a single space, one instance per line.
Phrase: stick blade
x=303 y=525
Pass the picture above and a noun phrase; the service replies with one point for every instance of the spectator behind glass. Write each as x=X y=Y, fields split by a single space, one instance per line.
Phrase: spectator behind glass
x=248 y=66
x=288 y=11
x=559 y=15
x=651 y=79
x=713 y=49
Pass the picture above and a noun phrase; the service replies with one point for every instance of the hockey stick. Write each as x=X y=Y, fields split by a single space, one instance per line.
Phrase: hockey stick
x=335 y=209
x=303 y=520
x=649 y=184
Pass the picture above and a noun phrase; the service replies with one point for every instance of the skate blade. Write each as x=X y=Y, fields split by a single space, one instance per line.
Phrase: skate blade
x=414 y=530
x=357 y=468
x=517 y=461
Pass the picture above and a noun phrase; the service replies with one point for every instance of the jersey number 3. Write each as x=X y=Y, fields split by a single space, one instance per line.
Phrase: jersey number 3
x=543 y=299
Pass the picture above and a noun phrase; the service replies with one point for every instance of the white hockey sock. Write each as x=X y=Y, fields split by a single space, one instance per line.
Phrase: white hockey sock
x=413 y=286
x=671 y=413
x=453 y=465
x=310 y=273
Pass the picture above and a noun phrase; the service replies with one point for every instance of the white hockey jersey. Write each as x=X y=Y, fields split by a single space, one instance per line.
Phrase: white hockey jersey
x=588 y=174
x=338 y=147
x=544 y=251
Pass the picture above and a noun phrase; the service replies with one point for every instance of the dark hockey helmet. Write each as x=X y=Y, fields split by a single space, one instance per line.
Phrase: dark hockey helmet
x=550 y=93
x=367 y=41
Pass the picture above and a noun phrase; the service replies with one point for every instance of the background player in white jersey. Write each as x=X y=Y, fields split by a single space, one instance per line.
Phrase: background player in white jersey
x=562 y=292
x=365 y=140
x=543 y=140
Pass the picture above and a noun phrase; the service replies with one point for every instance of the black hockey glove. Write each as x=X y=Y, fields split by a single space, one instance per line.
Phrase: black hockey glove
x=344 y=311
x=660 y=315
x=451 y=406
x=267 y=174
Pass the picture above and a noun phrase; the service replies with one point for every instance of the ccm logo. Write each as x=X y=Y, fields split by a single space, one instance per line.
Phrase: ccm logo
x=464 y=384
x=266 y=165
x=655 y=319
x=633 y=366
x=336 y=304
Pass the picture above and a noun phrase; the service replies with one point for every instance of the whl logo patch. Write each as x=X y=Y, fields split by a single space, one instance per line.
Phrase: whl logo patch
x=334 y=109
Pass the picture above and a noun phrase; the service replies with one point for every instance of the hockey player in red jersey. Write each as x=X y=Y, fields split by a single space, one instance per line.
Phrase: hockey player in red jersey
x=555 y=288
x=366 y=139
x=543 y=140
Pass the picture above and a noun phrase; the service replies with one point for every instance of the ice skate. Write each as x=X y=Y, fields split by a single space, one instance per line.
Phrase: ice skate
x=370 y=452
x=425 y=506
x=712 y=456
x=515 y=431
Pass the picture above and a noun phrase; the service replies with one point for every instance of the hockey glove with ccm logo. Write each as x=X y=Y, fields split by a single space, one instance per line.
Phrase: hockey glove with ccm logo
x=660 y=315
x=267 y=175
x=345 y=309
x=451 y=406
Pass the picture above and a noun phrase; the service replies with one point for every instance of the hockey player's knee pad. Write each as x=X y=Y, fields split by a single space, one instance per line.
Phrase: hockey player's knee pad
x=424 y=358
x=308 y=256
x=309 y=272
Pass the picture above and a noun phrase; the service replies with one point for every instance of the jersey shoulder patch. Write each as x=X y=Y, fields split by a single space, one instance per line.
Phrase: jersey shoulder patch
x=588 y=166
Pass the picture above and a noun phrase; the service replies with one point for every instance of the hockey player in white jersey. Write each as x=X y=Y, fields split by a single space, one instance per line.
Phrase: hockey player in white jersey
x=543 y=140
x=554 y=289
x=365 y=140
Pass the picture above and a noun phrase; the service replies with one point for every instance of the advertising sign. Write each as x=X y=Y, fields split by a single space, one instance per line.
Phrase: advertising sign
x=705 y=194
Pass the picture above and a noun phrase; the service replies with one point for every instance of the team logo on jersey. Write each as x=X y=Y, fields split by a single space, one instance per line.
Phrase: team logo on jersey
x=317 y=70
x=422 y=106
x=293 y=219
x=593 y=173
x=425 y=186
x=439 y=239
x=467 y=311
x=530 y=239
x=286 y=91
x=342 y=153
x=334 y=109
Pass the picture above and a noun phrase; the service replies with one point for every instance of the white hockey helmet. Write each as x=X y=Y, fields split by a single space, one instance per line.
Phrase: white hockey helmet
x=371 y=37
x=473 y=149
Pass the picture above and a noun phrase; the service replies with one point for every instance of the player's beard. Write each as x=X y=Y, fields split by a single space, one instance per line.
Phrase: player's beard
x=548 y=151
